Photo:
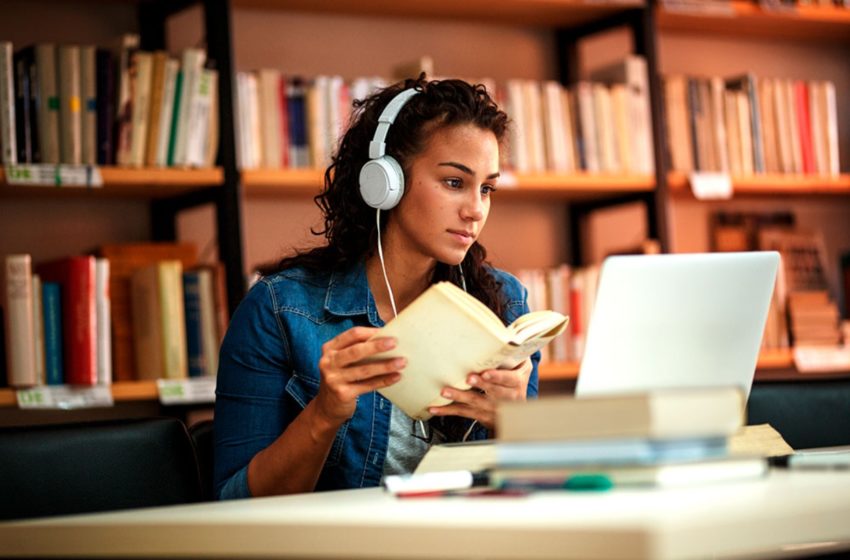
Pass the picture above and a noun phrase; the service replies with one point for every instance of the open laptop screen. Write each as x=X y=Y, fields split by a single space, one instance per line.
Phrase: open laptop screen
x=683 y=320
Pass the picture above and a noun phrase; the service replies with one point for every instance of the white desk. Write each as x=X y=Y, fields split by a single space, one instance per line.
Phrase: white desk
x=782 y=515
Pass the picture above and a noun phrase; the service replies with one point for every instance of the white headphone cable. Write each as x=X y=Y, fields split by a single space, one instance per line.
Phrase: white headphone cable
x=383 y=266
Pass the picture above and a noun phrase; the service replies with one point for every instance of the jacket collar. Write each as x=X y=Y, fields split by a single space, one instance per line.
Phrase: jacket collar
x=349 y=294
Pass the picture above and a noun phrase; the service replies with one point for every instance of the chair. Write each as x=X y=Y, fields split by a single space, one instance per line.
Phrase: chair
x=806 y=413
x=96 y=466
x=202 y=436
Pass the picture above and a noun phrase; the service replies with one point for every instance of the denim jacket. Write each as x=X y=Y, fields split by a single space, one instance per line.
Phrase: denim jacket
x=268 y=372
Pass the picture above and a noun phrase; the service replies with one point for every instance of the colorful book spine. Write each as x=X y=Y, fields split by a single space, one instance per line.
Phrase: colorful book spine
x=51 y=305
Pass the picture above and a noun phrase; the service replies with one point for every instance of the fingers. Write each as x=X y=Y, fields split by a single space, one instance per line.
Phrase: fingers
x=499 y=384
x=349 y=337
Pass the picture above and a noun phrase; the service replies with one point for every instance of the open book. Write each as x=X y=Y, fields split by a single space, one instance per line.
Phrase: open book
x=446 y=334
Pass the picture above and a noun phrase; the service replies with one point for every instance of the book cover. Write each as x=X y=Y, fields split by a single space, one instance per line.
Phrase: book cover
x=8 y=134
x=38 y=330
x=26 y=106
x=48 y=103
x=654 y=415
x=104 y=329
x=445 y=334
x=20 y=335
x=105 y=94
x=51 y=305
x=88 y=99
x=76 y=276
x=194 y=335
x=70 y=115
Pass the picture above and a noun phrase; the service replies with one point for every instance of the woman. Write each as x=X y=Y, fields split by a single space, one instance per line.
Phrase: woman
x=294 y=412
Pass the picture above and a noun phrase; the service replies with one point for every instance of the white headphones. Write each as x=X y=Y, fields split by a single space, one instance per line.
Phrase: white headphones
x=381 y=178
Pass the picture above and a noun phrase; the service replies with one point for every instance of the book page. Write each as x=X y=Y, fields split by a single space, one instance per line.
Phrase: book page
x=761 y=439
x=472 y=456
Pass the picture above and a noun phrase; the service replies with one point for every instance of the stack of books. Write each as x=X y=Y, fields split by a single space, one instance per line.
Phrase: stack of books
x=658 y=439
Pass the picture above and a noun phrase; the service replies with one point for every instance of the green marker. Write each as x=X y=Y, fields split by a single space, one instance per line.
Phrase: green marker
x=588 y=483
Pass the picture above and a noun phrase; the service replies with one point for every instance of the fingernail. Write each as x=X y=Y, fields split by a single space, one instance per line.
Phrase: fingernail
x=399 y=363
x=446 y=393
x=486 y=376
x=388 y=343
x=473 y=380
x=433 y=410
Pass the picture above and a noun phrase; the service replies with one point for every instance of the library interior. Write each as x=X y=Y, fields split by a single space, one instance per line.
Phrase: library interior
x=158 y=156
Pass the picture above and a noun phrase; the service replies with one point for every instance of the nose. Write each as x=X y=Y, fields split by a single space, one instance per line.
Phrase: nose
x=473 y=207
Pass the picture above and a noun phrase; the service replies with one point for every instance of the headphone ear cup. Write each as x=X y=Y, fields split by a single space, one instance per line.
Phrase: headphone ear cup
x=382 y=182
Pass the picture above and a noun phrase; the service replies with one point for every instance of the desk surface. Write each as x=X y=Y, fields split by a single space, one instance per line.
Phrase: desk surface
x=781 y=515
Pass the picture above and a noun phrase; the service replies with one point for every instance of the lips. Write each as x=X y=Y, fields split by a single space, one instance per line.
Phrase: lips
x=462 y=235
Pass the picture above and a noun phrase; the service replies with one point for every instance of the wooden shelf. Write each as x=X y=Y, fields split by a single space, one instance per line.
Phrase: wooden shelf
x=772 y=185
x=547 y=13
x=747 y=19
x=121 y=391
x=550 y=372
x=127 y=182
x=308 y=182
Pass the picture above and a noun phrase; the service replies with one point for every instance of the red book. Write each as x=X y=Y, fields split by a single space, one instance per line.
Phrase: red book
x=76 y=277
x=804 y=123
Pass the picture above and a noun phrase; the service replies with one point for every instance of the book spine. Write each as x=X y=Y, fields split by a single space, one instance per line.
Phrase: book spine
x=48 y=104
x=38 y=330
x=175 y=118
x=103 y=310
x=143 y=62
x=209 y=330
x=52 y=310
x=23 y=114
x=20 y=336
x=70 y=122
x=194 y=334
x=88 y=94
x=173 y=320
x=105 y=75
x=166 y=115
x=8 y=134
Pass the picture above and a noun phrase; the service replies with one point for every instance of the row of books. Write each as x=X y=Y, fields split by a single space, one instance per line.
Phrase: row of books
x=602 y=125
x=803 y=311
x=747 y=125
x=76 y=105
x=133 y=312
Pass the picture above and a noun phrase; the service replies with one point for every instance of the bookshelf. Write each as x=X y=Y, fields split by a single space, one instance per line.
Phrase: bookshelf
x=561 y=23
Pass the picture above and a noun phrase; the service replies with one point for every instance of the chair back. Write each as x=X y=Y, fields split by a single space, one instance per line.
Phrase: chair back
x=807 y=413
x=202 y=436
x=96 y=466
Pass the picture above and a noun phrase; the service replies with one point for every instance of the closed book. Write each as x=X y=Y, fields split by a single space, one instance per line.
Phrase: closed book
x=159 y=328
x=191 y=70
x=48 y=103
x=76 y=276
x=166 y=113
x=105 y=74
x=70 y=114
x=665 y=475
x=127 y=46
x=26 y=106
x=656 y=414
x=194 y=334
x=141 y=85
x=299 y=151
x=20 y=335
x=104 y=330
x=157 y=95
x=38 y=330
x=446 y=333
x=8 y=134
x=51 y=304
x=88 y=108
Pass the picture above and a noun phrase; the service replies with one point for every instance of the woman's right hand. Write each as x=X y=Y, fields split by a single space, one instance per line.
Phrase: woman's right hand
x=344 y=379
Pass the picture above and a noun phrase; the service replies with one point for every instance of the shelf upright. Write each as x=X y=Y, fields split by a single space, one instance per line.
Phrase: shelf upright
x=640 y=22
x=226 y=196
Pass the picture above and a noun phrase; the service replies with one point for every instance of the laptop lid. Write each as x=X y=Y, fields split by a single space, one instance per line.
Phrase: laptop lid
x=681 y=320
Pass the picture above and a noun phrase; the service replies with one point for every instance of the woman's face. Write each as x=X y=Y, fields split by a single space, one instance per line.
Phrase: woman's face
x=447 y=193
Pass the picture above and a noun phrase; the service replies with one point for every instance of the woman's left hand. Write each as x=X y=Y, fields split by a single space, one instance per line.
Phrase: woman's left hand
x=488 y=387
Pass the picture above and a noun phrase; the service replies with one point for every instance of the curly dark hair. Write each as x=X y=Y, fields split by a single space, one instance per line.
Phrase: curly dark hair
x=349 y=223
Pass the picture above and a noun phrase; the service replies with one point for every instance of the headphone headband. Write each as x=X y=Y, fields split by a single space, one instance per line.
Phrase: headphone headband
x=378 y=146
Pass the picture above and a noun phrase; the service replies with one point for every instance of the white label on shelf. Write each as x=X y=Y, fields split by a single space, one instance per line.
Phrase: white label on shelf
x=186 y=391
x=810 y=359
x=65 y=397
x=49 y=175
x=711 y=186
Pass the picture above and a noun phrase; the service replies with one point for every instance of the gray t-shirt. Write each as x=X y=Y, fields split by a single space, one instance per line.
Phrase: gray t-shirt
x=404 y=451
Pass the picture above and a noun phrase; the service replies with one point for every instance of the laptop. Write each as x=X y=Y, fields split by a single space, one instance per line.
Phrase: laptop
x=680 y=320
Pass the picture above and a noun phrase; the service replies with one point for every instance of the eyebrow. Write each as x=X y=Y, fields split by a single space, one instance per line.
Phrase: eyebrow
x=466 y=169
